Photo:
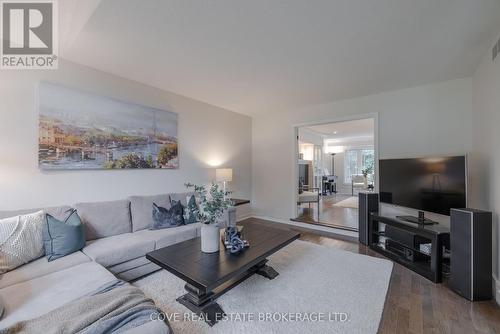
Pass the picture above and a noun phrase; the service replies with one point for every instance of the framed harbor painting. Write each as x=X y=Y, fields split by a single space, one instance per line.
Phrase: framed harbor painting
x=78 y=130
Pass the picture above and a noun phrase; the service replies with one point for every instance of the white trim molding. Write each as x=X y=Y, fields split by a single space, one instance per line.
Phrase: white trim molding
x=243 y=217
x=295 y=128
x=496 y=289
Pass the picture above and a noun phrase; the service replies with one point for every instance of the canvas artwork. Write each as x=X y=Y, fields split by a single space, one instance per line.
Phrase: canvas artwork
x=78 y=130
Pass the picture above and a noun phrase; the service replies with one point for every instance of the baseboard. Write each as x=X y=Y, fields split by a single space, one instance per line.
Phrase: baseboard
x=335 y=232
x=243 y=217
x=496 y=283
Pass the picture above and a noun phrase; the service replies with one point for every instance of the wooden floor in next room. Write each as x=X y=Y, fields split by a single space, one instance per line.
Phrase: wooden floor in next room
x=330 y=214
x=414 y=304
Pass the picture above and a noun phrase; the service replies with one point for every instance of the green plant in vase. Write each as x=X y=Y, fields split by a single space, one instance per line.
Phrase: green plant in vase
x=212 y=203
x=368 y=170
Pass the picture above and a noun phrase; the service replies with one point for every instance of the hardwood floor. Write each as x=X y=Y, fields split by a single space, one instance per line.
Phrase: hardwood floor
x=329 y=214
x=415 y=304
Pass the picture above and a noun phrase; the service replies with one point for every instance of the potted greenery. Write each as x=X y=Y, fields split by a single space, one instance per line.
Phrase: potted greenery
x=368 y=170
x=211 y=205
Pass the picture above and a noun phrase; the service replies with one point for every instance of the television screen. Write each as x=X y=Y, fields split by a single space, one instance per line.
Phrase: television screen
x=427 y=184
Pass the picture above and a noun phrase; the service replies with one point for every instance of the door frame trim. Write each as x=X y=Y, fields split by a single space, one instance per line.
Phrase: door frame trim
x=295 y=132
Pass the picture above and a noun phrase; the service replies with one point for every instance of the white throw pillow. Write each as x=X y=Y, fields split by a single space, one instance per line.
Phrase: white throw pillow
x=21 y=240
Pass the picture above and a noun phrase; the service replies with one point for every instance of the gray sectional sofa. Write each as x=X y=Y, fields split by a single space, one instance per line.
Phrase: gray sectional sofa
x=118 y=239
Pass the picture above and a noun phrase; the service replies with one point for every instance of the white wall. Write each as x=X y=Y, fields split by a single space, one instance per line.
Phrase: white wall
x=421 y=121
x=208 y=136
x=310 y=137
x=486 y=159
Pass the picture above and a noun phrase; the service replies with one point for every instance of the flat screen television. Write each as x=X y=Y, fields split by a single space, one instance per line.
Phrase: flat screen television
x=427 y=184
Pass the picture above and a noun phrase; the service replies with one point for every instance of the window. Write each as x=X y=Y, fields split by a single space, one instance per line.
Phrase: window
x=357 y=160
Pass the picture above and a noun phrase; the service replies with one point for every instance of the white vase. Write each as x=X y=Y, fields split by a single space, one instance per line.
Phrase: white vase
x=210 y=238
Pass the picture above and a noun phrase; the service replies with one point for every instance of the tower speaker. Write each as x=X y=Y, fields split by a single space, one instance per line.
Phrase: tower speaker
x=471 y=245
x=368 y=203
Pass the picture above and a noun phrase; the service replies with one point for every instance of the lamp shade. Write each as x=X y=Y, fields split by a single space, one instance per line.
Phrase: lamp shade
x=224 y=174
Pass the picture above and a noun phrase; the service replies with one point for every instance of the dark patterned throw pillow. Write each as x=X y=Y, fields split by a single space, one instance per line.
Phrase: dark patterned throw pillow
x=165 y=218
x=190 y=210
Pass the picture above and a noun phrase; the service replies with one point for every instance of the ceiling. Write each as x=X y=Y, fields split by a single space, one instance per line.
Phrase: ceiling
x=262 y=56
x=348 y=131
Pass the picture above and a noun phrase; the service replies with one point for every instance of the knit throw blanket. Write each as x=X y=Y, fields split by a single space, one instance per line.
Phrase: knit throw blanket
x=115 y=307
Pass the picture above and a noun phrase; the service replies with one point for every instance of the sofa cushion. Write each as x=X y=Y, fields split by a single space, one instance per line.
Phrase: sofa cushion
x=138 y=272
x=170 y=236
x=105 y=219
x=36 y=297
x=133 y=269
x=124 y=266
x=40 y=268
x=57 y=211
x=118 y=248
x=20 y=240
x=141 y=208
x=63 y=237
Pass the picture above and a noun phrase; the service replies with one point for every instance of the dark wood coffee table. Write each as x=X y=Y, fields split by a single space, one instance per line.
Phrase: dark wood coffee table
x=208 y=276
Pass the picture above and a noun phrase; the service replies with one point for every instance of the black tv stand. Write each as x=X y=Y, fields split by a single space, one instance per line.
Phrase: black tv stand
x=416 y=220
x=426 y=264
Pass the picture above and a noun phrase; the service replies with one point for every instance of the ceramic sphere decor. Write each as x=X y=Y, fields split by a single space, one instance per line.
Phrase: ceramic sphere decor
x=212 y=203
x=233 y=240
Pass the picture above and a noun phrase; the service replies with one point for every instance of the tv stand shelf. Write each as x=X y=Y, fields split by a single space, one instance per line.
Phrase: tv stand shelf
x=427 y=265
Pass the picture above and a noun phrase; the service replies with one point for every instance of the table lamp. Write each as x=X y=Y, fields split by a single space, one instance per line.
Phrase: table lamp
x=224 y=175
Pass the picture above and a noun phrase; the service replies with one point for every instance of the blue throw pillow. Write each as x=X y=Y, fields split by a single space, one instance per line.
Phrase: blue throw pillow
x=61 y=238
x=190 y=210
x=165 y=218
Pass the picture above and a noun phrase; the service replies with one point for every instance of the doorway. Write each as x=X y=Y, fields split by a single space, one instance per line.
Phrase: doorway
x=335 y=161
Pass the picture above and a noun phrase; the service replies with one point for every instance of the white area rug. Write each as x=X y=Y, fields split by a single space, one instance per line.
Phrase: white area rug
x=351 y=202
x=314 y=282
